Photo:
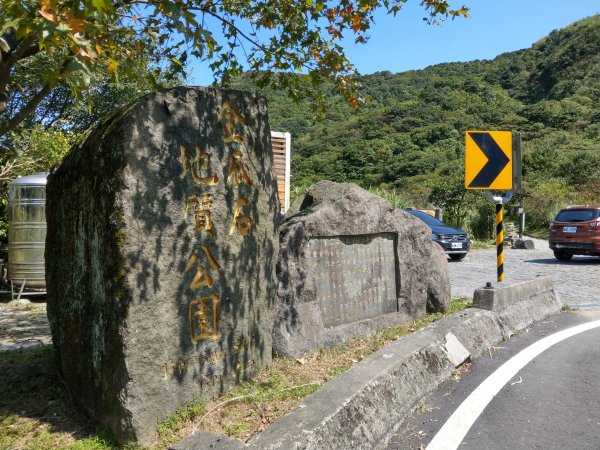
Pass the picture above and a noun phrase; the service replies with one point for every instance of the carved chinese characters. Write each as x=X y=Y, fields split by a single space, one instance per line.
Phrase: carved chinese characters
x=164 y=225
x=195 y=165
x=355 y=277
x=237 y=171
x=243 y=224
x=231 y=119
x=204 y=318
x=201 y=209
x=238 y=174
x=204 y=311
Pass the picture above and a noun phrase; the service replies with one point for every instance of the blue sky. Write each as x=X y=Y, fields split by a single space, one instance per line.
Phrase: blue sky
x=494 y=27
x=406 y=42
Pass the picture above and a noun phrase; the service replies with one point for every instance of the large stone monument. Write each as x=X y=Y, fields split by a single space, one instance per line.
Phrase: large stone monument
x=351 y=263
x=161 y=254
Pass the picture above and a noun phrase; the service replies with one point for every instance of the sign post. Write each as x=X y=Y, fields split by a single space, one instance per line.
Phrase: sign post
x=493 y=162
x=499 y=242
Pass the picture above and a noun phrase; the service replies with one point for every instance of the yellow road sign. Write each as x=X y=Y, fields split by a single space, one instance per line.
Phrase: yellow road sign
x=488 y=160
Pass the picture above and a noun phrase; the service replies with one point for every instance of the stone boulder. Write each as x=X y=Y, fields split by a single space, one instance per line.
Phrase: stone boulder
x=350 y=263
x=524 y=244
x=160 y=254
x=438 y=281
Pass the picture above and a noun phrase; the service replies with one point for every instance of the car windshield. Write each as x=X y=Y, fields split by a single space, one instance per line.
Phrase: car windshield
x=429 y=220
x=577 y=215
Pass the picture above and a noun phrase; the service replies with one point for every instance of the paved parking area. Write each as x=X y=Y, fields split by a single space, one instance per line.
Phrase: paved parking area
x=577 y=282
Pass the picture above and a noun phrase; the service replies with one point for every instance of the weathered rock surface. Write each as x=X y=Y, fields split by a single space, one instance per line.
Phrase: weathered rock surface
x=524 y=244
x=350 y=263
x=161 y=256
x=438 y=283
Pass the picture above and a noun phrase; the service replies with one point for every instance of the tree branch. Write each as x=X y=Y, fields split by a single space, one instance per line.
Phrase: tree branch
x=4 y=80
x=7 y=170
x=33 y=103
x=233 y=26
x=27 y=47
x=25 y=111
x=244 y=35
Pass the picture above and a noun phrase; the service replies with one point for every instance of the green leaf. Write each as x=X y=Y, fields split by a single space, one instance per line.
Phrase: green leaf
x=63 y=26
x=78 y=75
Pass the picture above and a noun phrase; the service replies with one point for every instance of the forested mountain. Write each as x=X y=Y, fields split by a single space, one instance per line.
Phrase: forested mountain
x=409 y=135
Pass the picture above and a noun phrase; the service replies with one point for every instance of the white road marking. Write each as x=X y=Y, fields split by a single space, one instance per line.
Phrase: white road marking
x=458 y=425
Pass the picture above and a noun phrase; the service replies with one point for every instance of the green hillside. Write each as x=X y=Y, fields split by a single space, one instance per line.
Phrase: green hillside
x=409 y=136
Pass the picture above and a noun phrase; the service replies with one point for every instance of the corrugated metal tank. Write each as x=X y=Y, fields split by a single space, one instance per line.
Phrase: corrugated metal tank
x=27 y=230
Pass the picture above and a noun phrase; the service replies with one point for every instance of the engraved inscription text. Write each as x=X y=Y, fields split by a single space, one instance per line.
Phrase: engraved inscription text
x=355 y=276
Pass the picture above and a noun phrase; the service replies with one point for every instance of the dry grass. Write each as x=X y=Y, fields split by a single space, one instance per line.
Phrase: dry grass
x=461 y=370
x=35 y=412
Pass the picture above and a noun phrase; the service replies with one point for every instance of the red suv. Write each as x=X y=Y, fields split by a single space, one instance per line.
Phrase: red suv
x=576 y=231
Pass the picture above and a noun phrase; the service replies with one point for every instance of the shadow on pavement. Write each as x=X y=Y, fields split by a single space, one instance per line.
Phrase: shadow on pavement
x=576 y=261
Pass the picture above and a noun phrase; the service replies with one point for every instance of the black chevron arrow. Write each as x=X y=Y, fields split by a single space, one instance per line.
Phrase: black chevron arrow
x=497 y=160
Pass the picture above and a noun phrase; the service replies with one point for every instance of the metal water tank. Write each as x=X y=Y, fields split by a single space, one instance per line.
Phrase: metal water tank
x=27 y=230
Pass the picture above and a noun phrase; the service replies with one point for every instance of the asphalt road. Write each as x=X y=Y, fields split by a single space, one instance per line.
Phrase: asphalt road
x=553 y=402
x=576 y=282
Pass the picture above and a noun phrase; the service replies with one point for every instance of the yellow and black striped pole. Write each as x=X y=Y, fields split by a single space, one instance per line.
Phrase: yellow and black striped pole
x=499 y=242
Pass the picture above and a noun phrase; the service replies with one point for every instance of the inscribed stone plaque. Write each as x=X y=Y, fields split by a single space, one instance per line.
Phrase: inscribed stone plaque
x=355 y=276
x=350 y=263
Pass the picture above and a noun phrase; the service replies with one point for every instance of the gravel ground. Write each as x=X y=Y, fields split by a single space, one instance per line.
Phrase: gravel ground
x=23 y=326
x=576 y=282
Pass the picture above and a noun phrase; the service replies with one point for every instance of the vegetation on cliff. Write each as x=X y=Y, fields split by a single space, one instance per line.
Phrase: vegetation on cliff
x=409 y=136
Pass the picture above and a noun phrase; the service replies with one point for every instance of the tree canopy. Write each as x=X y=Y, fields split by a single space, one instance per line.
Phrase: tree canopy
x=289 y=44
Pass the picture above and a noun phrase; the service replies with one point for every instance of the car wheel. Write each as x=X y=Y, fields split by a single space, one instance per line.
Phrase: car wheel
x=563 y=256
x=458 y=257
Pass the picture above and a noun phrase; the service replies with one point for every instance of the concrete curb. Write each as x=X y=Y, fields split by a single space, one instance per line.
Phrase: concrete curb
x=497 y=296
x=361 y=407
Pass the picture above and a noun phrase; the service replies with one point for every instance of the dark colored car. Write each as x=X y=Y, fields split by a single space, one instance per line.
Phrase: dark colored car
x=455 y=242
x=576 y=231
